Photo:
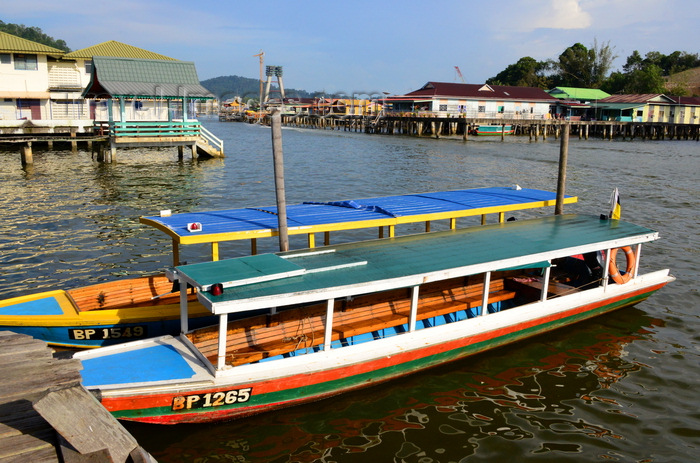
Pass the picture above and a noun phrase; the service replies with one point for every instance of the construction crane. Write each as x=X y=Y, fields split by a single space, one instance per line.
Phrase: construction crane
x=459 y=74
x=261 y=55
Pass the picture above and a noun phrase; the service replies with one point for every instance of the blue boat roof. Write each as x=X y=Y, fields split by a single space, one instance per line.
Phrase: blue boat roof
x=322 y=216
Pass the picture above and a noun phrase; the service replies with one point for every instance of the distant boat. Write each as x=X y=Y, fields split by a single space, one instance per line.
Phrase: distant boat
x=344 y=317
x=482 y=129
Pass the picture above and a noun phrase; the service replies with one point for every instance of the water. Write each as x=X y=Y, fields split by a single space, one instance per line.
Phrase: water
x=622 y=387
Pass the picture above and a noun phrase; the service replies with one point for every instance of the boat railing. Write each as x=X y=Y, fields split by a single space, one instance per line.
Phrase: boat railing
x=361 y=319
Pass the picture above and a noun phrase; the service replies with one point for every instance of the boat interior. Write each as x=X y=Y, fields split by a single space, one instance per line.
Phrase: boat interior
x=154 y=290
x=290 y=331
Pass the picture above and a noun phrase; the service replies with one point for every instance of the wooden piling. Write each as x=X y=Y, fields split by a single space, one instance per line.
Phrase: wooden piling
x=276 y=126
x=26 y=154
x=563 y=159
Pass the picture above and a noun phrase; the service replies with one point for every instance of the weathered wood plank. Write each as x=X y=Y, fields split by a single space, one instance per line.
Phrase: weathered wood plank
x=23 y=446
x=77 y=416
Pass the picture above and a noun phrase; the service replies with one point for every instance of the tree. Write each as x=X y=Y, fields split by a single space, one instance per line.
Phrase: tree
x=579 y=66
x=647 y=79
x=34 y=34
x=527 y=72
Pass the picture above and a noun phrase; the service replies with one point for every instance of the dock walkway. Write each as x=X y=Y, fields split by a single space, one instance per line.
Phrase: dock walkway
x=47 y=416
x=437 y=126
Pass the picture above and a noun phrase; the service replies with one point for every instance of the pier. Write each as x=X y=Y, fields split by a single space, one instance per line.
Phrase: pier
x=47 y=416
x=103 y=139
x=437 y=127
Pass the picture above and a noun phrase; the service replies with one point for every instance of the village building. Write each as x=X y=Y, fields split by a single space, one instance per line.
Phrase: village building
x=25 y=86
x=45 y=85
x=687 y=110
x=444 y=99
x=637 y=108
x=577 y=104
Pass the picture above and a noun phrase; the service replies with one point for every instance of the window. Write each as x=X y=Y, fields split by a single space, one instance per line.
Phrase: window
x=482 y=109
x=25 y=62
x=443 y=107
x=5 y=58
x=88 y=67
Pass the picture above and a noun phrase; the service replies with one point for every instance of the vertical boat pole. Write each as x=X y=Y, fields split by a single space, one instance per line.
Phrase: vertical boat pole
x=276 y=123
x=563 y=157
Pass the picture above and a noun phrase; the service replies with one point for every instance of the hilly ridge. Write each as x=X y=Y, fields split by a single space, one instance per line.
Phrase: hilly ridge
x=227 y=87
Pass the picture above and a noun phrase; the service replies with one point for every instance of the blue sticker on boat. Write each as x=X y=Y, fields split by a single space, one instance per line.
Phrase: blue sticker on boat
x=152 y=364
x=44 y=306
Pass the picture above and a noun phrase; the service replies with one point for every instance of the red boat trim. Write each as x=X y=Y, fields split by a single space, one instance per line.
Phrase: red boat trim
x=145 y=402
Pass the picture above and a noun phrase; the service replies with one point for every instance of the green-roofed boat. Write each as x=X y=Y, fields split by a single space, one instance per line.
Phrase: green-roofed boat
x=138 y=308
x=300 y=326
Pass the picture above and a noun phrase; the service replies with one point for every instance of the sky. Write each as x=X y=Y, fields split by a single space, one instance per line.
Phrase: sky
x=366 y=47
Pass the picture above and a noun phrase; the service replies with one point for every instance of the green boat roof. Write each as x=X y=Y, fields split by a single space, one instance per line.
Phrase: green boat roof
x=363 y=267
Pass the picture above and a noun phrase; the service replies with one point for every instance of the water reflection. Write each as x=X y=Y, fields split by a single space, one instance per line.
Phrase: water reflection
x=529 y=399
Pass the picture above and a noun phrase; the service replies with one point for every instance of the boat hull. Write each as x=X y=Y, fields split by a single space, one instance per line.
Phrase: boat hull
x=234 y=397
x=495 y=130
x=54 y=317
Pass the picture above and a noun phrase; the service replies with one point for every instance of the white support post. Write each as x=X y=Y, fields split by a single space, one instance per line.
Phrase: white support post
x=329 y=325
x=221 y=355
x=184 y=315
x=606 y=267
x=636 y=263
x=485 y=296
x=545 y=284
x=414 y=309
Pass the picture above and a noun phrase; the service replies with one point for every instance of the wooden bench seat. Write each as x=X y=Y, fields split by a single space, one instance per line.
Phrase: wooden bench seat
x=553 y=288
x=265 y=336
x=133 y=292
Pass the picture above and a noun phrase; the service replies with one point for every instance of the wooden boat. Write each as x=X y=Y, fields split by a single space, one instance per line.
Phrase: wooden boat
x=483 y=129
x=140 y=308
x=101 y=314
x=344 y=317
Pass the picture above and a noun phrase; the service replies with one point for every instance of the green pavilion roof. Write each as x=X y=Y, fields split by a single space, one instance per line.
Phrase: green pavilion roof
x=118 y=77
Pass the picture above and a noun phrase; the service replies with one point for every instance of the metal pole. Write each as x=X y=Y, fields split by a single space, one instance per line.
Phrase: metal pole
x=563 y=157
x=276 y=123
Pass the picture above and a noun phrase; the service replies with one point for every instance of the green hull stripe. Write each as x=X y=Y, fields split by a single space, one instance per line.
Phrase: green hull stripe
x=365 y=379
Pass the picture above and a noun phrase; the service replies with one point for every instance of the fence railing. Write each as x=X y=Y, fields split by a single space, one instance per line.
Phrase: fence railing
x=212 y=139
x=150 y=129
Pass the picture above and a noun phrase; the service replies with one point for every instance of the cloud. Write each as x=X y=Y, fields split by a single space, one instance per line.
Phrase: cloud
x=526 y=17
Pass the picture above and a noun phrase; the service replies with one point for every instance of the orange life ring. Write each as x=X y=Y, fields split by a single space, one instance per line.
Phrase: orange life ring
x=615 y=272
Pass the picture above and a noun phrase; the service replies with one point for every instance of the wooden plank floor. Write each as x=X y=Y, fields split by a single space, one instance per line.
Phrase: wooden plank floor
x=32 y=379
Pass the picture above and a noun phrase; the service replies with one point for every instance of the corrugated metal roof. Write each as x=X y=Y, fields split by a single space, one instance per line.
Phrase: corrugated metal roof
x=587 y=94
x=480 y=91
x=114 y=48
x=314 y=217
x=642 y=98
x=148 y=78
x=428 y=255
x=12 y=44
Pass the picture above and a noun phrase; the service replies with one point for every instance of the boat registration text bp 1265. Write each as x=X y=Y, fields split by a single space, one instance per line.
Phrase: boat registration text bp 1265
x=212 y=399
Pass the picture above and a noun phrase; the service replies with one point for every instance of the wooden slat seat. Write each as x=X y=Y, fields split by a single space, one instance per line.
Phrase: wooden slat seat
x=133 y=292
x=553 y=288
x=265 y=336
